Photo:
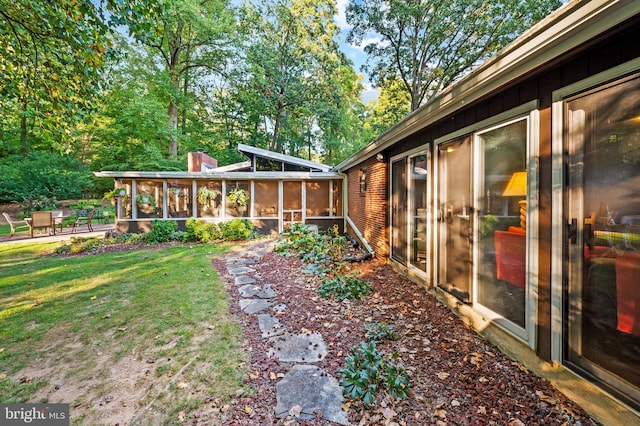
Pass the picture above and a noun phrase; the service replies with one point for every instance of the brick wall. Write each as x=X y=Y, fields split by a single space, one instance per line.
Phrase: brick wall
x=368 y=210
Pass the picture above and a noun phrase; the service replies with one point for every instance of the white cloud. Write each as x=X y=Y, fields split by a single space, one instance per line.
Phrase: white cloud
x=369 y=93
x=341 y=17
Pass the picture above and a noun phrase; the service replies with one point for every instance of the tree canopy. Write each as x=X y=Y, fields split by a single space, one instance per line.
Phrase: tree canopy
x=428 y=44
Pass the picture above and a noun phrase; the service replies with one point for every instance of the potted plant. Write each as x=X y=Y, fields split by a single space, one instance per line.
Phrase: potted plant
x=206 y=196
x=145 y=199
x=239 y=196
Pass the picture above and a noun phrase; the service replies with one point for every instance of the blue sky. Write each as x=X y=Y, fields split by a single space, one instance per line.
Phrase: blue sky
x=355 y=53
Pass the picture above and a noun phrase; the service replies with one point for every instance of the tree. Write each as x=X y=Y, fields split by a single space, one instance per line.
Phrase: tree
x=188 y=36
x=52 y=54
x=428 y=44
x=392 y=105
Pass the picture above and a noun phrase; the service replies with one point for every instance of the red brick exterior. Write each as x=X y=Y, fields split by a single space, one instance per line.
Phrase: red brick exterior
x=369 y=210
x=195 y=160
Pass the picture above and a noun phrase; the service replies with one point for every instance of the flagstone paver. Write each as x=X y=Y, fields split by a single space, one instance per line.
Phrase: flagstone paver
x=241 y=270
x=243 y=279
x=252 y=306
x=250 y=290
x=303 y=347
x=306 y=389
x=270 y=326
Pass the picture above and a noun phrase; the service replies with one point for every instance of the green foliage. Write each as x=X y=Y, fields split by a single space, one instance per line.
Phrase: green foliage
x=323 y=249
x=42 y=174
x=380 y=331
x=344 y=287
x=203 y=232
x=239 y=196
x=429 y=44
x=367 y=372
x=161 y=231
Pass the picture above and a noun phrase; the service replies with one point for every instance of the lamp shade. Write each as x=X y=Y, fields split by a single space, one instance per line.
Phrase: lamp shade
x=517 y=186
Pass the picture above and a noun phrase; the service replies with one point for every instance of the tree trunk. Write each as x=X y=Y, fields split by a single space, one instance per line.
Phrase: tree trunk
x=172 y=144
x=24 y=142
x=276 y=145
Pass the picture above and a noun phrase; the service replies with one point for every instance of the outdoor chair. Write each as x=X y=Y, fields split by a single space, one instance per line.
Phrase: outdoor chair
x=84 y=220
x=16 y=225
x=42 y=220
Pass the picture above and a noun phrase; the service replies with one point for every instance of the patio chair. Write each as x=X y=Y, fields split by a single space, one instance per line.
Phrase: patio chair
x=84 y=220
x=16 y=225
x=42 y=220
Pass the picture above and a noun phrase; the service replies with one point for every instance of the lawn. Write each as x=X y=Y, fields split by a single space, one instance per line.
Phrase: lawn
x=136 y=335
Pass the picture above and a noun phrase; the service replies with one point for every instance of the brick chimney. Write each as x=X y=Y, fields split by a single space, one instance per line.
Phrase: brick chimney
x=200 y=161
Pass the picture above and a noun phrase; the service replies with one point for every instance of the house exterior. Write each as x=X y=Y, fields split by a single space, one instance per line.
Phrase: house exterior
x=514 y=195
x=278 y=190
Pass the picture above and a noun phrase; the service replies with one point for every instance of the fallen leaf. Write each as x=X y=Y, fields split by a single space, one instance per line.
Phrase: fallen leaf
x=36 y=303
x=272 y=376
x=182 y=385
x=455 y=403
x=254 y=375
x=248 y=410
x=545 y=398
x=482 y=410
x=388 y=413
x=295 y=411
x=182 y=416
x=93 y=297
x=515 y=422
x=442 y=375
x=483 y=380
x=440 y=412
x=122 y=328
x=3 y=375
x=225 y=408
x=346 y=406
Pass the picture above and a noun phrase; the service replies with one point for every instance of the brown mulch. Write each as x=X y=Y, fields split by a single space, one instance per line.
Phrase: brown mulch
x=457 y=376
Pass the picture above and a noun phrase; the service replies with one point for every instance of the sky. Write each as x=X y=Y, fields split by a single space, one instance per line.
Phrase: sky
x=355 y=53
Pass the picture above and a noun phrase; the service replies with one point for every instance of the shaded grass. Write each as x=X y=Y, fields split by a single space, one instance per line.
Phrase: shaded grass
x=156 y=302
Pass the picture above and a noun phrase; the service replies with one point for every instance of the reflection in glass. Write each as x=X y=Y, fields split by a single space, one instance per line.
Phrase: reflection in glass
x=502 y=222
x=604 y=316
x=419 y=253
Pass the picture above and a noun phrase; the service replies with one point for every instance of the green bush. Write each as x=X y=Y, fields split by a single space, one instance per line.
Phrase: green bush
x=367 y=372
x=236 y=230
x=161 y=231
x=200 y=231
x=343 y=287
x=324 y=249
x=380 y=331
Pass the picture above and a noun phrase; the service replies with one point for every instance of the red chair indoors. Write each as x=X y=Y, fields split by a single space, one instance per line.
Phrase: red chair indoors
x=511 y=259
x=628 y=293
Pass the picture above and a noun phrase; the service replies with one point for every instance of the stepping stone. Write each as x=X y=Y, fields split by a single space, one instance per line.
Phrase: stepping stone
x=267 y=292
x=270 y=326
x=307 y=388
x=280 y=307
x=251 y=306
x=242 y=261
x=243 y=279
x=241 y=270
x=249 y=290
x=304 y=347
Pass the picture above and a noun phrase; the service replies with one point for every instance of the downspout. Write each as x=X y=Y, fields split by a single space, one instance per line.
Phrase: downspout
x=345 y=203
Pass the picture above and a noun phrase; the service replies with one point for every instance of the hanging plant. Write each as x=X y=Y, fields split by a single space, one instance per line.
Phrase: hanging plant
x=145 y=199
x=239 y=196
x=207 y=195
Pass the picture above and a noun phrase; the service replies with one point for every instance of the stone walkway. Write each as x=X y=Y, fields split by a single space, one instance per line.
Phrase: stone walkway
x=305 y=389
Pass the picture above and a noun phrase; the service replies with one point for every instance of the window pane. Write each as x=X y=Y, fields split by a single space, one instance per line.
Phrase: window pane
x=209 y=198
x=317 y=198
x=238 y=198
x=419 y=204
x=502 y=236
x=265 y=198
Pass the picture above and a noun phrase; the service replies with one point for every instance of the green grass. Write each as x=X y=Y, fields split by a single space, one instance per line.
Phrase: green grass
x=155 y=304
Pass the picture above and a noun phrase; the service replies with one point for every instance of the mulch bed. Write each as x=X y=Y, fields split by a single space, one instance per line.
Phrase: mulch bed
x=457 y=376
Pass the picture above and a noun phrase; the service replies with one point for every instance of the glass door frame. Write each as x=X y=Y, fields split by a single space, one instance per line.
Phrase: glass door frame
x=410 y=225
x=529 y=110
x=564 y=344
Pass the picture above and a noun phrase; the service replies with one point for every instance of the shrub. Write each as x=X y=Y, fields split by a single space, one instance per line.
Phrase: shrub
x=380 y=331
x=236 y=230
x=161 y=231
x=343 y=287
x=367 y=372
x=324 y=249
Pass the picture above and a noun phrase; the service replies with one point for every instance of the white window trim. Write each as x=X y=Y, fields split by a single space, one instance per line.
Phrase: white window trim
x=557 y=187
x=530 y=112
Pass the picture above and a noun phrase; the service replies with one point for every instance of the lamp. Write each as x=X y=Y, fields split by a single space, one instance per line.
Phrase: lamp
x=380 y=157
x=517 y=187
